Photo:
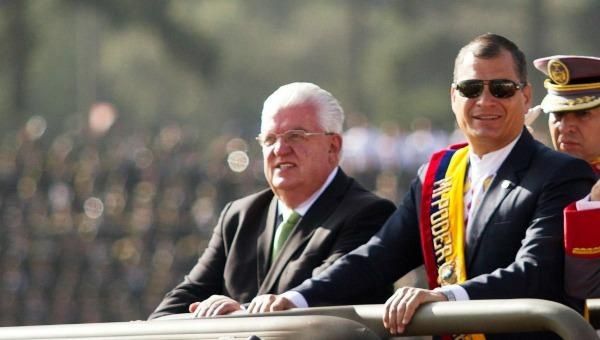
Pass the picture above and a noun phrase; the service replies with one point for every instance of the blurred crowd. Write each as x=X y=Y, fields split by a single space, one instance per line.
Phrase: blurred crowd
x=385 y=159
x=97 y=222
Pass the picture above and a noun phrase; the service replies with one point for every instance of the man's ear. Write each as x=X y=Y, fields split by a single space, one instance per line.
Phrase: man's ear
x=335 y=147
x=336 y=143
x=527 y=92
x=453 y=95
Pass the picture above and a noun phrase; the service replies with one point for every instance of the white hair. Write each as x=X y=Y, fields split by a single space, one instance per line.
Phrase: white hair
x=329 y=111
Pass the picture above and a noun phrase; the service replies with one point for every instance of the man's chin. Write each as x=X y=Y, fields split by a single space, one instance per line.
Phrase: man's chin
x=571 y=150
x=282 y=184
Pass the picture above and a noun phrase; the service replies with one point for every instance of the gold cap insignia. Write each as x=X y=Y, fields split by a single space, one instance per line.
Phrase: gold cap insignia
x=558 y=72
x=446 y=274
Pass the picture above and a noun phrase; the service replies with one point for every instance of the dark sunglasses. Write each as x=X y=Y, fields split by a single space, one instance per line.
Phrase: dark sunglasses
x=499 y=88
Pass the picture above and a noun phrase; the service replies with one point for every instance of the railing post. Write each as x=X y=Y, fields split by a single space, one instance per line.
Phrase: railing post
x=594 y=310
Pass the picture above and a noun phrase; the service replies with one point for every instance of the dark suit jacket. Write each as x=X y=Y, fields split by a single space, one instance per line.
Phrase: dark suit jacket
x=236 y=261
x=518 y=249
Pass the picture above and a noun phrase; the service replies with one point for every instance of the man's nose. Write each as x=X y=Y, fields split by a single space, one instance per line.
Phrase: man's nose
x=486 y=97
x=567 y=122
x=281 y=147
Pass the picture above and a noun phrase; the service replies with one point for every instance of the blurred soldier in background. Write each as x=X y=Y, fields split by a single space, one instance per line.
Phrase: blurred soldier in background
x=271 y=241
x=573 y=108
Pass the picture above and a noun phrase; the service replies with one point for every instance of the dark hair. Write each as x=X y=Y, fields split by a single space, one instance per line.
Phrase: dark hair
x=490 y=45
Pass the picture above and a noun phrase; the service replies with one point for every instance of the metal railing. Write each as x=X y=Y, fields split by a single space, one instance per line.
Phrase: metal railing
x=274 y=327
x=478 y=316
x=342 y=322
x=594 y=310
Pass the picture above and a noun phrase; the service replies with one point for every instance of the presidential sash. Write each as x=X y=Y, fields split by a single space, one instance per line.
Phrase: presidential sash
x=442 y=220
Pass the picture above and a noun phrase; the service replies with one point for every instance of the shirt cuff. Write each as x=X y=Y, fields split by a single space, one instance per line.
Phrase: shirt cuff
x=586 y=204
x=297 y=299
x=454 y=292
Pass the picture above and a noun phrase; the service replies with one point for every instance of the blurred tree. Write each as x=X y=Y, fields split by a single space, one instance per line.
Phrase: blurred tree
x=358 y=35
x=196 y=51
x=15 y=53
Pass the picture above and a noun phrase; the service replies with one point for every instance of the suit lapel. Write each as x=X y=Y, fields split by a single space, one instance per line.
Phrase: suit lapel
x=315 y=217
x=508 y=177
x=264 y=241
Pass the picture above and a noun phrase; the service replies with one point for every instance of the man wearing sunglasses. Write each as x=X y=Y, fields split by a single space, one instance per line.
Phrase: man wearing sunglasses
x=311 y=215
x=485 y=218
x=573 y=108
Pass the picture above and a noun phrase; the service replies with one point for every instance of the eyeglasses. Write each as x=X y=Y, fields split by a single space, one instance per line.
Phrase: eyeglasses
x=290 y=137
x=499 y=88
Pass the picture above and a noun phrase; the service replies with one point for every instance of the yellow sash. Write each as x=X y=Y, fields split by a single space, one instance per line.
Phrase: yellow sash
x=442 y=221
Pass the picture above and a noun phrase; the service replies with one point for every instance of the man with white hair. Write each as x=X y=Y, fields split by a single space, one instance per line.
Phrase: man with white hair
x=311 y=215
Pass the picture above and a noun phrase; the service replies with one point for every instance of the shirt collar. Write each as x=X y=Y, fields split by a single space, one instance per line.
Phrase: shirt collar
x=489 y=163
x=303 y=207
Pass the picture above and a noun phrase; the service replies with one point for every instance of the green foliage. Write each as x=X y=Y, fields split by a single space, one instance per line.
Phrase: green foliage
x=211 y=63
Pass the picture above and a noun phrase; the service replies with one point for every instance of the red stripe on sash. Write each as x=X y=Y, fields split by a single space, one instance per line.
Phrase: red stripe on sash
x=436 y=170
x=424 y=224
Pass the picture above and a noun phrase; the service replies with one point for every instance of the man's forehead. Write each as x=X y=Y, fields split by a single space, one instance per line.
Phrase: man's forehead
x=472 y=66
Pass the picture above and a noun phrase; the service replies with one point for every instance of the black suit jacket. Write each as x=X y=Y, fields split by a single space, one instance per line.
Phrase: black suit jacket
x=236 y=261
x=518 y=248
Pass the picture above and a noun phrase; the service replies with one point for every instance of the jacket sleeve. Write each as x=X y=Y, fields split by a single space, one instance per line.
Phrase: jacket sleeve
x=366 y=220
x=372 y=267
x=205 y=278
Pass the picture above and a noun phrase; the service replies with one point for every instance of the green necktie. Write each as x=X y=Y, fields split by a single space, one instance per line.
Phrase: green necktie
x=283 y=231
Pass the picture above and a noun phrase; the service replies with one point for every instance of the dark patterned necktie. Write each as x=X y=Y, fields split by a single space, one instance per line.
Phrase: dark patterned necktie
x=474 y=201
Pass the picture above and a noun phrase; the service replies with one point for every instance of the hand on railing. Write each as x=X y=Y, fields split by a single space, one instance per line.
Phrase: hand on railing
x=269 y=303
x=400 y=307
x=213 y=306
